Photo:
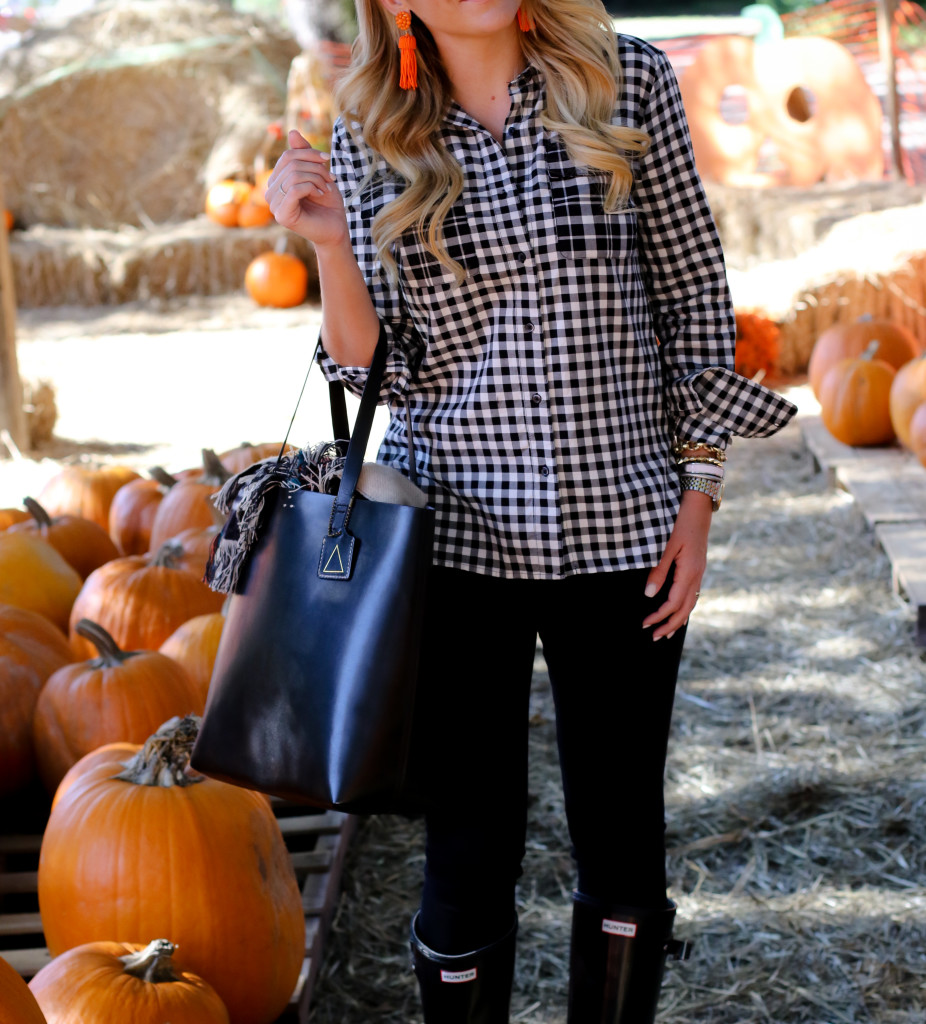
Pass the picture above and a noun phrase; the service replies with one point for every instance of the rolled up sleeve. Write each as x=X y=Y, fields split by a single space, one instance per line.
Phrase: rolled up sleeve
x=686 y=283
x=362 y=200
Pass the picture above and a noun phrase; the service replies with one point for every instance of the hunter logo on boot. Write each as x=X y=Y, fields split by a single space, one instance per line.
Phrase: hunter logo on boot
x=455 y=977
x=624 y=928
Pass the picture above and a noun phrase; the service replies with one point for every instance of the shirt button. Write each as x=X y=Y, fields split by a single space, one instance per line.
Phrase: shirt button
x=536 y=399
x=544 y=470
x=522 y=257
x=528 y=326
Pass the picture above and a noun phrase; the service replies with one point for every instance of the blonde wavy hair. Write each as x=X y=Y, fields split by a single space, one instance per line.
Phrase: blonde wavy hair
x=575 y=47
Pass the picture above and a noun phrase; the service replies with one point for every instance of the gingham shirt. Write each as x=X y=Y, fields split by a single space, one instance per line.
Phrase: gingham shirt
x=544 y=407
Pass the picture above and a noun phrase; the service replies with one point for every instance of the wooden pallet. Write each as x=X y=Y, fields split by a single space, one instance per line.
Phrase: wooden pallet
x=317 y=843
x=889 y=488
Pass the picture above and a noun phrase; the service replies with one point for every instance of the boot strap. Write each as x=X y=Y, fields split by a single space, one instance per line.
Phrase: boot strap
x=678 y=949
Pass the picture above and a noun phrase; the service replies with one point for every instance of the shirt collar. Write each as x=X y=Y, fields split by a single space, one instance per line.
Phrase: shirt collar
x=526 y=91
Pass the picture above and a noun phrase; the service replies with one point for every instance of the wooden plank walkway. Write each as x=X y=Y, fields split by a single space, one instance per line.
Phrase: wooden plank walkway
x=889 y=487
x=317 y=844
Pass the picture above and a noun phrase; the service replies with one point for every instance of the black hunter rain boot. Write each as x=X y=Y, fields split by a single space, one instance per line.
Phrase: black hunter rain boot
x=472 y=988
x=616 y=961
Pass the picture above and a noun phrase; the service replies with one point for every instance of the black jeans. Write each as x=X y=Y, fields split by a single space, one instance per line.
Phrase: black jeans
x=613 y=688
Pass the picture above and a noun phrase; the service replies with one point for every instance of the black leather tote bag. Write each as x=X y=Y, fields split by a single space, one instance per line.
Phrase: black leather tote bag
x=313 y=689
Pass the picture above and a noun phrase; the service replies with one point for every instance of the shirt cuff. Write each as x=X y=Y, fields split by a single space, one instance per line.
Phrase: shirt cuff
x=714 y=403
x=395 y=376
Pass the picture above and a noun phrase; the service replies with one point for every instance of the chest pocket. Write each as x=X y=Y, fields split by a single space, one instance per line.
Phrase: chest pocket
x=583 y=230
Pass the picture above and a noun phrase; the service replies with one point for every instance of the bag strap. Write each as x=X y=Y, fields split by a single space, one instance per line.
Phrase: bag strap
x=340 y=424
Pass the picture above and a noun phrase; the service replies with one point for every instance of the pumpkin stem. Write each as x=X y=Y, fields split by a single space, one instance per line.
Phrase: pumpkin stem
x=870 y=350
x=169 y=554
x=164 y=478
x=164 y=760
x=153 y=963
x=214 y=471
x=111 y=654
x=37 y=512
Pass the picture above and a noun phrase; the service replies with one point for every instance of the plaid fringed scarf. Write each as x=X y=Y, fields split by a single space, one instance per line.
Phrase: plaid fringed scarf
x=242 y=500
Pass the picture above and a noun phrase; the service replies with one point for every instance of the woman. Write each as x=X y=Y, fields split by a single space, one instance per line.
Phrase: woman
x=512 y=194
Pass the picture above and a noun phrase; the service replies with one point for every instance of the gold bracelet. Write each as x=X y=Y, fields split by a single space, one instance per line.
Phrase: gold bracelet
x=684 y=460
x=682 y=448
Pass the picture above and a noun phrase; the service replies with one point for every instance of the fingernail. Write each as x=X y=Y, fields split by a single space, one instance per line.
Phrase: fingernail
x=651 y=590
x=658 y=637
x=670 y=635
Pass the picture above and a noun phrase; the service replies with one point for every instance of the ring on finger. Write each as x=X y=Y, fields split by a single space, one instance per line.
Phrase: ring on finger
x=282 y=190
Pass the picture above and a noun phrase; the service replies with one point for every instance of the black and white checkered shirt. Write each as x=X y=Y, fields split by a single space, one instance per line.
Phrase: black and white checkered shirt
x=543 y=405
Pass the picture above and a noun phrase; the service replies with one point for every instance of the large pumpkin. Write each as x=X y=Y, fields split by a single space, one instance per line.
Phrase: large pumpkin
x=194 y=645
x=896 y=346
x=85 y=491
x=908 y=392
x=150 y=848
x=17 y=1003
x=9 y=516
x=31 y=649
x=140 y=601
x=188 y=503
x=82 y=543
x=855 y=400
x=33 y=575
x=120 y=695
x=132 y=512
x=102 y=982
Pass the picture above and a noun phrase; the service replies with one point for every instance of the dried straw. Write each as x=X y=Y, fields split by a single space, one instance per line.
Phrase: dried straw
x=795 y=792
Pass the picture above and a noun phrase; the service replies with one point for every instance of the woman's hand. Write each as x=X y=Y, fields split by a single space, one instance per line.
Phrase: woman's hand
x=303 y=197
x=687 y=552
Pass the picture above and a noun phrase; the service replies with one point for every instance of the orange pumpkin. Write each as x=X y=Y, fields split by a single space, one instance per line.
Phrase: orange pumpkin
x=131 y=515
x=277 y=279
x=120 y=695
x=140 y=601
x=100 y=981
x=9 y=516
x=31 y=649
x=254 y=211
x=190 y=548
x=33 y=575
x=246 y=454
x=83 y=544
x=223 y=200
x=189 y=502
x=151 y=848
x=85 y=491
x=908 y=392
x=855 y=400
x=194 y=646
x=917 y=432
x=896 y=346
x=109 y=754
x=17 y=1003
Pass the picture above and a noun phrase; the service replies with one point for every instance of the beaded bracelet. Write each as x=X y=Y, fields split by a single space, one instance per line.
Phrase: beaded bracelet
x=712 y=488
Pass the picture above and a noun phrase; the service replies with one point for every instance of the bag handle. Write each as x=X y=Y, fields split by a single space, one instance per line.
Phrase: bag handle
x=358 y=439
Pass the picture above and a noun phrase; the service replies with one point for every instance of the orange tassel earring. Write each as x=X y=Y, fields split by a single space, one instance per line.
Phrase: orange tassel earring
x=408 y=66
x=525 y=21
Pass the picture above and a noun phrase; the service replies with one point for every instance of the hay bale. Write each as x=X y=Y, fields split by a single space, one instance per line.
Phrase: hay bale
x=64 y=266
x=126 y=112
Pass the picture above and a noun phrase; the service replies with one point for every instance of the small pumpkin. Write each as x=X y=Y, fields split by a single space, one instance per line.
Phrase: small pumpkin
x=10 y=516
x=17 y=1003
x=34 y=575
x=188 y=503
x=190 y=548
x=85 y=491
x=223 y=200
x=151 y=848
x=908 y=392
x=235 y=460
x=100 y=982
x=31 y=650
x=254 y=211
x=82 y=543
x=917 y=432
x=895 y=346
x=140 y=600
x=132 y=512
x=119 y=695
x=855 y=399
x=277 y=279
x=194 y=645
